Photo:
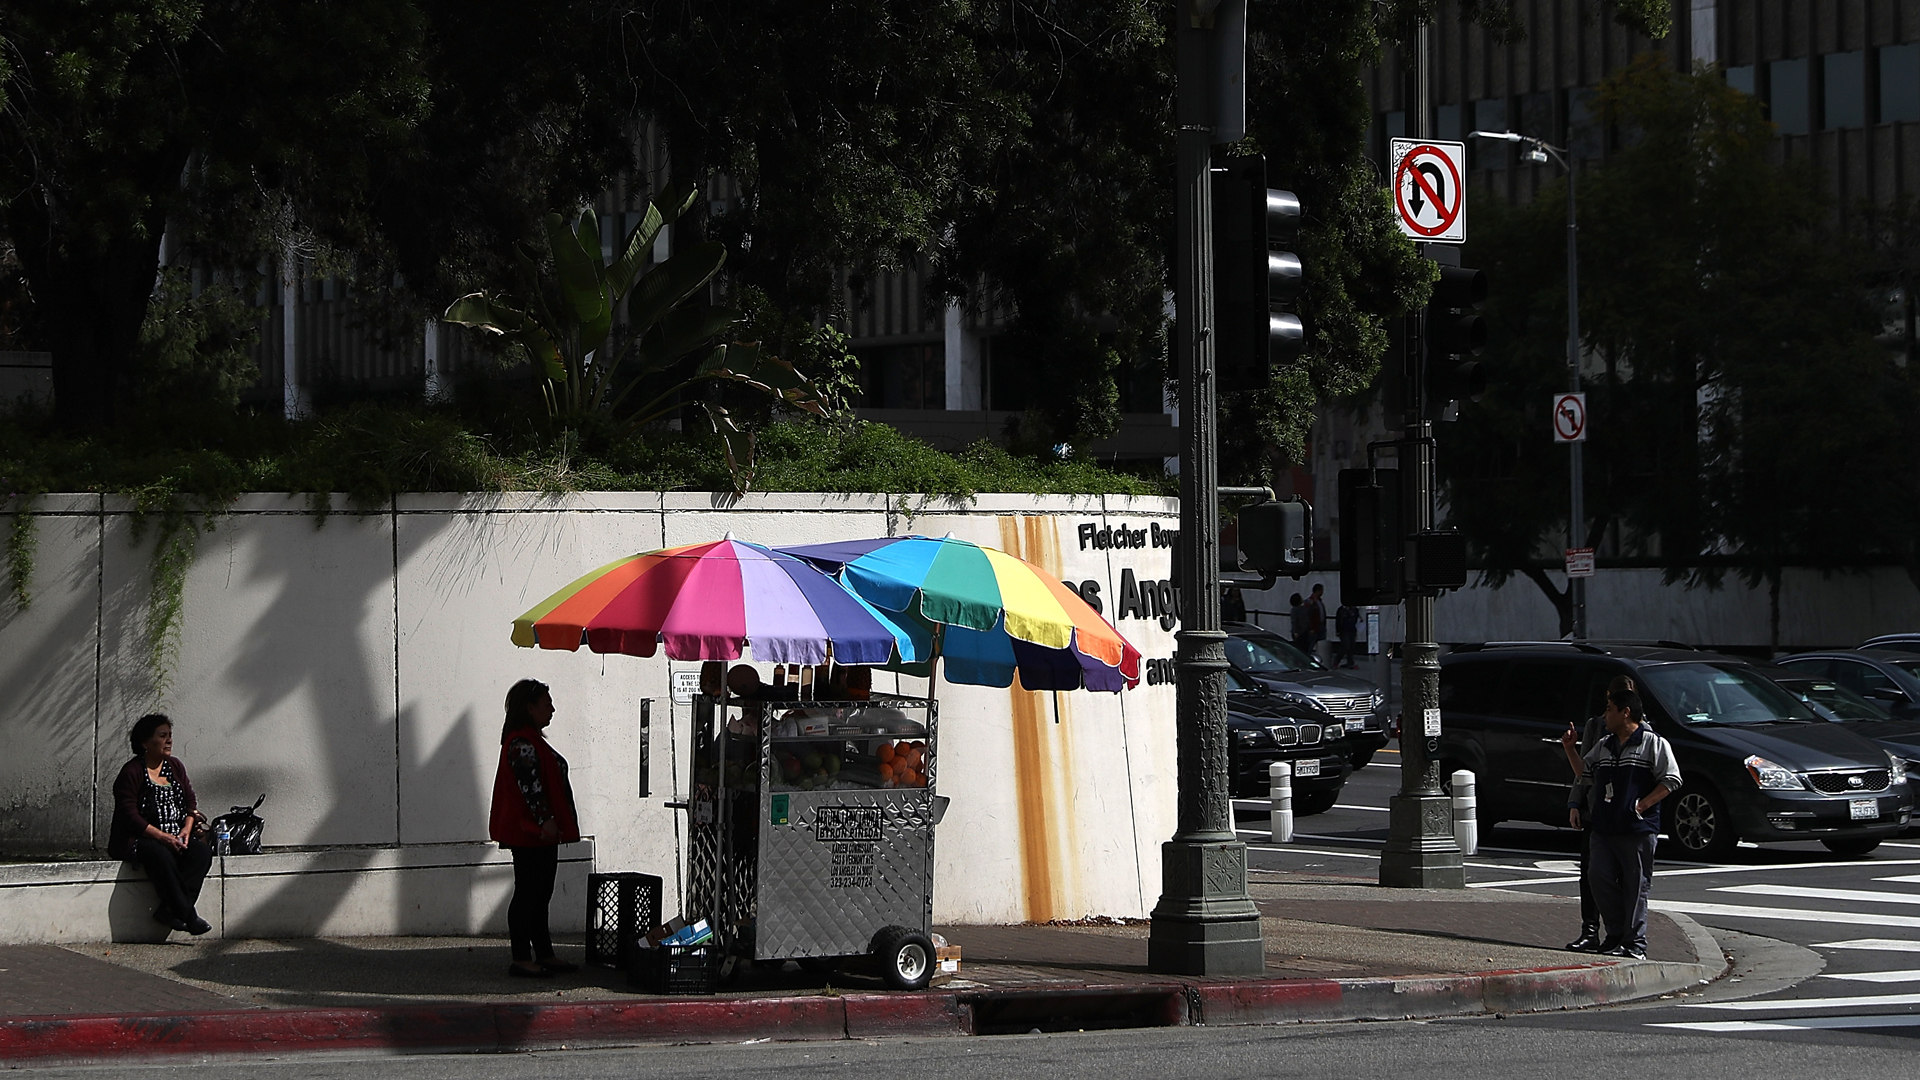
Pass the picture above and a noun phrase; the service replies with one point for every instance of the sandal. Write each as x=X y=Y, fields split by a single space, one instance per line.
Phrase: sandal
x=553 y=965
x=530 y=970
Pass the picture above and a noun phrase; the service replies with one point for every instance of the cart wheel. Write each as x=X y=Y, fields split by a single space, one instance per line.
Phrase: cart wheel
x=906 y=957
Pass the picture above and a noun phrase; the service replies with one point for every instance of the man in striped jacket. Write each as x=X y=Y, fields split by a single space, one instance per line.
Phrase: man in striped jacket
x=1632 y=769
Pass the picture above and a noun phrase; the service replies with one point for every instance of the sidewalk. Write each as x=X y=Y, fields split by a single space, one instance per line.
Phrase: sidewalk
x=1334 y=952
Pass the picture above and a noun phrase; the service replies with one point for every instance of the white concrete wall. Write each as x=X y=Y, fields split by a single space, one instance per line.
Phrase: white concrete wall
x=353 y=669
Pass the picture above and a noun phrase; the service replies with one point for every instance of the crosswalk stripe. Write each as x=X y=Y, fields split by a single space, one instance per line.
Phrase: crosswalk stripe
x=1866 y=1001
x=1905 y=879
x=1804 y=892
x=1875 y=944
x=1907 y=976
x=1742 y=911
x=1798 y=1023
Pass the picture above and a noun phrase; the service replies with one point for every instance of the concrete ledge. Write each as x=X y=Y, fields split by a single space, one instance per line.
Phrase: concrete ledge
x=428 y=889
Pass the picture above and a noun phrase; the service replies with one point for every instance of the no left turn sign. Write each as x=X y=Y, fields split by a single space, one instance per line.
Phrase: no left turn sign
x=1429 y=194
x=1570 y=418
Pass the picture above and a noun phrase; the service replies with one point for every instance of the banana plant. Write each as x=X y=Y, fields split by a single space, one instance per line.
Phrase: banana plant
x=591 y=360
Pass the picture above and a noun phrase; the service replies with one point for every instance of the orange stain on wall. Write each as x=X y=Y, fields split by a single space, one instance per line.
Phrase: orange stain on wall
x=1042 y=754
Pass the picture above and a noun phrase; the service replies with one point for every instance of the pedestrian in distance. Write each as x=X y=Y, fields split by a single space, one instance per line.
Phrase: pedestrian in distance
x=533 y=814
x=157 y=824
x=1299 y=621
x=1633 y=769
x=1317 y=619
x=1346 y=623
x=1580 y=816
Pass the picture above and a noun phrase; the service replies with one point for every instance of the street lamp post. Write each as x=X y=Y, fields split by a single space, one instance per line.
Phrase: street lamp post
x=1539 y=152
x=1204 y=923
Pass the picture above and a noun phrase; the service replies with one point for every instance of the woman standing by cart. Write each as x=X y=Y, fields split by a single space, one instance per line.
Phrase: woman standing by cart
x=533 y=814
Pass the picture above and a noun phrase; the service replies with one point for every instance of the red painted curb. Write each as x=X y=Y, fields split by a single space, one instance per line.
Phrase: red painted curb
x=515 y=1026
x=873 y=1016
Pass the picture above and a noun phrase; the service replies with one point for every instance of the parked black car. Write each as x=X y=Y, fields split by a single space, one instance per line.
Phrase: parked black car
x=1841 y=705
x=1758 y=763
x=1263 y=729
x=1294 y=676
x=1908 y=643
x=1889 y=676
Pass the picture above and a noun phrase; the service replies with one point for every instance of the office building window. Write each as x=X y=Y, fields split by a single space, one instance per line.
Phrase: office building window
x=1397 y=124
x=1536 y=117
x=1788 y=99
x=1585 y=137
x=1843 y=82
x=903 y=376
x=1741 y=78
x=1489 y=115
x=1900 y=83
x=1446 y=123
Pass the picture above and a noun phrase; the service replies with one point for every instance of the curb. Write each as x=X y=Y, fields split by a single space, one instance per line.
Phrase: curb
x=514 y=1027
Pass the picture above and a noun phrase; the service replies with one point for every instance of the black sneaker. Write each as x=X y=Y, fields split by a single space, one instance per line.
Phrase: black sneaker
x=1588 y=941
x=1627 y=951
x=197 y=926
x=165 y=917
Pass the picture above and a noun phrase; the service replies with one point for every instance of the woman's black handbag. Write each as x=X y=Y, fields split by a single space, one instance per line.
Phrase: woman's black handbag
x=237 y=832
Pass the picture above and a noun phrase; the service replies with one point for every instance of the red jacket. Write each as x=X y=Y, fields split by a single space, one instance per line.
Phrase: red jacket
x=526 y=798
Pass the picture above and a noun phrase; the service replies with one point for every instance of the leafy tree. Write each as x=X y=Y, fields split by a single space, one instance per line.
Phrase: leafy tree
x=1733 y=375
x=565 y=325
x=115 y=109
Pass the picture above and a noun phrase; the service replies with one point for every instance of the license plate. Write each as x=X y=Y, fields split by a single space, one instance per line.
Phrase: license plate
x=1307 y=767
x=1863 y=809
x=1356 y=725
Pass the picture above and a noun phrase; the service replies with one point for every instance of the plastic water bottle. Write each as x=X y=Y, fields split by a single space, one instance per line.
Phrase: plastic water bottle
x=223 y=839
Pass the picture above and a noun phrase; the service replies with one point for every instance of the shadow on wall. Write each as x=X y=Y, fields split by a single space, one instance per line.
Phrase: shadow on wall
x=352 y=704
x=48 y=723
x=130 y=907
x=423 y=907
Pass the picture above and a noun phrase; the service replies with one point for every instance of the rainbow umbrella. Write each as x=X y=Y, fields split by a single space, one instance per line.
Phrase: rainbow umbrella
x=998 y=614
x=711 y=601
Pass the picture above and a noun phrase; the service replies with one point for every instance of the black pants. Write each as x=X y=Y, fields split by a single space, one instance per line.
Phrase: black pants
x=1622 y=877
x=176 y=875
x=1589 y=908
x=1349 y=648
x=533 y=870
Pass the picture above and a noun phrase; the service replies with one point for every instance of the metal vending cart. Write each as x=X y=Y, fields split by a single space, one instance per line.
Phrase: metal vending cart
x=811 y=831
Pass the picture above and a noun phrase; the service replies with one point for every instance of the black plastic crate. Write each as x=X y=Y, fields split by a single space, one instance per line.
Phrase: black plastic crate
x=676 y=969
x=621 y=909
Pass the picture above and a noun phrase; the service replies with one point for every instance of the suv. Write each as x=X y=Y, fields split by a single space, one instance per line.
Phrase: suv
x=1758 y=763
x=1867 y=717
x=1263 y=729
x=1886 y=675
x=1294 y=676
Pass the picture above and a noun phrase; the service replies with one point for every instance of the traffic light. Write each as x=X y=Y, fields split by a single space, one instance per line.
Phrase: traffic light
x=1454 y=332
x=1275 y=537
x=1253 y=279
x=1371 y=542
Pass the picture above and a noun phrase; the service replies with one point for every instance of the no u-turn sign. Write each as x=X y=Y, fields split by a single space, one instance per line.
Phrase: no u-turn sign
x=1429 y=190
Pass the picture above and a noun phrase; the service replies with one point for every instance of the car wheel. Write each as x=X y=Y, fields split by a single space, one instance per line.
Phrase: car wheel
x=1700 y=825
x=906 y=957
x=1360 y=759
x=1317 y=803
x=1850 y=845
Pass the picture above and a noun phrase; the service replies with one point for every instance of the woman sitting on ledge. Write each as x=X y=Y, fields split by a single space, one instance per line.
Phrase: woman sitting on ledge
x=156 y=824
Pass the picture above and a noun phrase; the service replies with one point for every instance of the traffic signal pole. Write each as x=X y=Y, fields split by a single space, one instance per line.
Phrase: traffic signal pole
x=1420 y=852
x=1205 y=923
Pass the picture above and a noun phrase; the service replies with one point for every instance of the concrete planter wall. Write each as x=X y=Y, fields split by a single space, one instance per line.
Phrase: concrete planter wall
x=353 y=670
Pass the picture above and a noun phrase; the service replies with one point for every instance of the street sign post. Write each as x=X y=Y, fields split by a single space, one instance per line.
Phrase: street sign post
x=1429 y=190
x=1569 y=418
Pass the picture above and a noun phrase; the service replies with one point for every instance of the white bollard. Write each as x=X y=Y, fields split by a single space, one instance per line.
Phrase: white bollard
x=1280 y=801
x=1466 y=823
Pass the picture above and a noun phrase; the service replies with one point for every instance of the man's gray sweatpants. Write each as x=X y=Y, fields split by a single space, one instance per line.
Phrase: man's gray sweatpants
x=1622 y=869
